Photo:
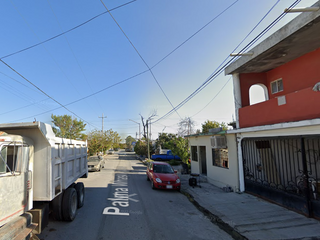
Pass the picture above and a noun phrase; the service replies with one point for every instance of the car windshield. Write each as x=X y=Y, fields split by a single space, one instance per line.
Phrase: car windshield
x=94 y=159
x=162 y=169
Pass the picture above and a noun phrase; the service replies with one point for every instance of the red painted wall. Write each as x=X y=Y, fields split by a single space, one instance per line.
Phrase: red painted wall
x=301 y=105
x=298 y=77
x=246 y=81
x=298 y=74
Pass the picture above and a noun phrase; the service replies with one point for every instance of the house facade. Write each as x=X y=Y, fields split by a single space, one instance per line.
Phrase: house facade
x=278 y=139
x=215 y=161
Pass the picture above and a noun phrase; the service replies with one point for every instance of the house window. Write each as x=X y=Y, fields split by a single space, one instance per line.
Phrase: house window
x=220 y=157
x=276 y=86
x=194 y=153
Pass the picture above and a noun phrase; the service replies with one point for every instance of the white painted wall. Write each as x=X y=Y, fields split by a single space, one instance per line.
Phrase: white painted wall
x=218 y=176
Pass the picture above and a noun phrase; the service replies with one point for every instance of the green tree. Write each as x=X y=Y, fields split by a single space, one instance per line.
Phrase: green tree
x=141 y=148
x=164 y=139
x=212 y=124
x=180 y=147
x=114 y=138
x=99 y=141
x=129 y=141
x=66 y=127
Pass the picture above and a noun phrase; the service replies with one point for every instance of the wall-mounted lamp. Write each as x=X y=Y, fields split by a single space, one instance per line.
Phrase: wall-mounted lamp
x=241 y=54
x=307 y=9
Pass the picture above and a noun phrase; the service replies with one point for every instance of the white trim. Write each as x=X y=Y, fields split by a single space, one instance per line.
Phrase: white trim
x=240 y=163
x=304 y=123
x=276 y=81
x=237 y=96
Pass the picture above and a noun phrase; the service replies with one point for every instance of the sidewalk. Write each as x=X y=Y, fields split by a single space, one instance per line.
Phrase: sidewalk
x=247 y=217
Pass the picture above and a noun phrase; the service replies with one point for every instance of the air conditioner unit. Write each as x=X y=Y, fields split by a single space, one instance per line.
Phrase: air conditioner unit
x=218 y=142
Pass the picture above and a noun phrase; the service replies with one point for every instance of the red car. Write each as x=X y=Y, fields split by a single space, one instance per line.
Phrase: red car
x=162 y=176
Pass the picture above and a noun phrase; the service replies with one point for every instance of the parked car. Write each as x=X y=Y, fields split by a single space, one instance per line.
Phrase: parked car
x=110 y=151
x=162 y=176
x=165 y=157
x=95 y=163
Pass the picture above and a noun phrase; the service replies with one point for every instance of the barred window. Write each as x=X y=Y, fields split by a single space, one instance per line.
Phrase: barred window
x=194 y=153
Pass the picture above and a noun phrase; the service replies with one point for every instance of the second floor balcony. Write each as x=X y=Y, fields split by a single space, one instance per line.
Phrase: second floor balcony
x=296 y=106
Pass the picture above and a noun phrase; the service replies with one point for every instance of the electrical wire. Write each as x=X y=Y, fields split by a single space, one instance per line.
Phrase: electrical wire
x=71 y=29
x=13 y=110
x=77 y=61
x=235 y=50
x=136 y=74
x=140 y=57
x=48 y=52
x=195 y=33
x=212 y=98
x=43 y=91
x=78 y=100
x=220 y=70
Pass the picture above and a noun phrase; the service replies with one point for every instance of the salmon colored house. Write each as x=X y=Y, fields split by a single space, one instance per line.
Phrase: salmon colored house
x=279 y=138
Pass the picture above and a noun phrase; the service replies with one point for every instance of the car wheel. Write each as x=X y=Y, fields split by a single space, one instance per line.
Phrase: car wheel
x=69 y=204
x=152 y=185
x=99 y=168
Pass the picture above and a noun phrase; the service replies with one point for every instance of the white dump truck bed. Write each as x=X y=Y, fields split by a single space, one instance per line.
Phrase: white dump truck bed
x=57 y=162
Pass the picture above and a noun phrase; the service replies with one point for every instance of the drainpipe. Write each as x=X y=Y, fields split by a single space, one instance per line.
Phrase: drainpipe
x=237 y=96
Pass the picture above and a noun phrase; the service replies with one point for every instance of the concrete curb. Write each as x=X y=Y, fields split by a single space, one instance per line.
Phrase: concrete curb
x=215 y=219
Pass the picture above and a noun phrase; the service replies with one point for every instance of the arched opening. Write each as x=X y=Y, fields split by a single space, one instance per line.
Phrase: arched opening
x=258 y=93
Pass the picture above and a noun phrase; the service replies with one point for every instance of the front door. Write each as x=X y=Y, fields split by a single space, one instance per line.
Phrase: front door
x=203 y=160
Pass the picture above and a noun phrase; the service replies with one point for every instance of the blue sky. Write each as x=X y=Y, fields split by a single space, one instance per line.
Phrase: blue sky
x=90 y=70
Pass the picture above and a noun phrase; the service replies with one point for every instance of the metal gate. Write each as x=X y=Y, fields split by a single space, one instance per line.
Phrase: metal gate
x=285 y=170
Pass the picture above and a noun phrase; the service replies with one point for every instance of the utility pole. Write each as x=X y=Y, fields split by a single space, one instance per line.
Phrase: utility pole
x=139 y=126
x=102 y=120
x=150 y=130
x=148 y=138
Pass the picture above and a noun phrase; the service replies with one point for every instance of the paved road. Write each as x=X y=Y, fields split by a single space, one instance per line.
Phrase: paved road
x=120 y=204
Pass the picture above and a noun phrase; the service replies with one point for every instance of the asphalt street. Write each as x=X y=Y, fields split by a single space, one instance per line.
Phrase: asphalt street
x=120 y=204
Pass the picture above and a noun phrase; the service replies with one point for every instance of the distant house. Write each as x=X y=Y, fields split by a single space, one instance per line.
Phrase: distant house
x=279 y=139
x=214 y=156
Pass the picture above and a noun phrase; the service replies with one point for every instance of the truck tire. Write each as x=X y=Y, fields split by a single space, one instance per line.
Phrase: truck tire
x=80 y=194
x=69 y=204
x=56 y=208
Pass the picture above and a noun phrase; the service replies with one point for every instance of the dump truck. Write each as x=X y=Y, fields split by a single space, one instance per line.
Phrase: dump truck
x=39 y=175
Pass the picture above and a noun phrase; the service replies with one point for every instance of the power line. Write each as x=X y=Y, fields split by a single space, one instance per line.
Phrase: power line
x=48 y=52
x=129 y=77
x=218 y=72
x=234 y=50
x=106 y=88
x=42 y=90
x=194 y=34
x=80 y=25
x=140 y=56
x=212 y=98
x=77 y=61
